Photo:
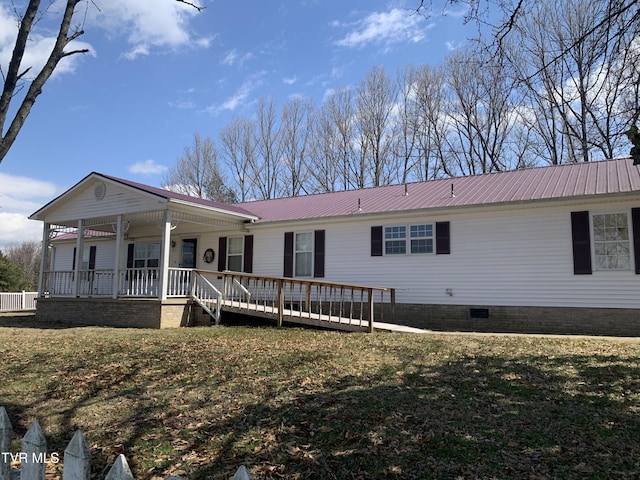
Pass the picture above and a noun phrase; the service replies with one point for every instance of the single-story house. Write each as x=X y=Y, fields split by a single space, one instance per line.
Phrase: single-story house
x=552 y=249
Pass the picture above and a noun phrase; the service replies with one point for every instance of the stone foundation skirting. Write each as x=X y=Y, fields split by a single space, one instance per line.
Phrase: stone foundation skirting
x=133 y=313
x=506 y=319
x=152 y=313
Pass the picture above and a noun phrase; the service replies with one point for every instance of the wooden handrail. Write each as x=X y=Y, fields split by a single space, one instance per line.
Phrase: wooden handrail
x=297 y=280
x=316 y=301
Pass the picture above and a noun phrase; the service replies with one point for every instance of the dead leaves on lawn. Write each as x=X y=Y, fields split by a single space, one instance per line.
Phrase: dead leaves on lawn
x=303 y=404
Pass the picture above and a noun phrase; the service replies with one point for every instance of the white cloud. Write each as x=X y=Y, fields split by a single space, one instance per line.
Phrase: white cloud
x=19 y=198
x=453 y=46
x=183 y=105
x=146 y=28
x=22 y=187
x=384 y=28
x=240 y=96
x=148 y=167
x=290 y=80
x=233 y=57
x=165 y=25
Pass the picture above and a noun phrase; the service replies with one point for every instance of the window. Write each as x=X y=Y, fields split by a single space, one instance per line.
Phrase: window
x=420 y=239
x=146 y=255
x=86 y=254
x=235 y=253
x=611 y=241
x=395 y=240
x=303 y=254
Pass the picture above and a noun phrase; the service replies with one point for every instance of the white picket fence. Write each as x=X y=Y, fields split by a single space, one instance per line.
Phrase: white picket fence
x=76 y=463
x=18 y=301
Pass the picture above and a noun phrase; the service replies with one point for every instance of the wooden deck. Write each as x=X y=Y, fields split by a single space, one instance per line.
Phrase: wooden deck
x=316 y=320
x=337 y=306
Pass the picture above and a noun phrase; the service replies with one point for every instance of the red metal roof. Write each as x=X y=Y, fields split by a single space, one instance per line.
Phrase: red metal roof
x=169 y=195
x=533 y=184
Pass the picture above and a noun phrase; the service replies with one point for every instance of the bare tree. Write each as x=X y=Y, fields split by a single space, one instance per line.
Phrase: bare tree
x=430 y=100
x=332 y=142
x=238 y=141
x=481 y=113
x=266 y=167
x=583 y=99
x=613 y=22
x=295 y=127
x=26 y=256
x=375 y=103
x=407 y=123
x=16 y=74
x=198 y=173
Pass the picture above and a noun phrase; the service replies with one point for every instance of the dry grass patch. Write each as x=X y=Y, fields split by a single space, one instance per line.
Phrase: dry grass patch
x=292 y=403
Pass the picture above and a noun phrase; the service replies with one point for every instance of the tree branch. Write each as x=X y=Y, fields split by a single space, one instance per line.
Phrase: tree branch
x=197 y=7
x=35 y=89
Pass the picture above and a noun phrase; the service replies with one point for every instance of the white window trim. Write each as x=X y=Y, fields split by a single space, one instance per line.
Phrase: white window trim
x=407 y=239
x=594 y=262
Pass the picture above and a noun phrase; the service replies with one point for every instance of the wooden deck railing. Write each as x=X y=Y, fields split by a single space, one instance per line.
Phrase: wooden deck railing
x=308 y=301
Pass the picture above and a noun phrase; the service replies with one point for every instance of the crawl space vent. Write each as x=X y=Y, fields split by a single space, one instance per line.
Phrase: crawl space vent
x=479 y=312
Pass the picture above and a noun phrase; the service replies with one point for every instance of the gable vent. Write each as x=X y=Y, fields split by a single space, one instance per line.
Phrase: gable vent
x=99 y=191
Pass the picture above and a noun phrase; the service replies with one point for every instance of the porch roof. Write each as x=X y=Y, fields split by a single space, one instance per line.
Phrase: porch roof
x=142 y=202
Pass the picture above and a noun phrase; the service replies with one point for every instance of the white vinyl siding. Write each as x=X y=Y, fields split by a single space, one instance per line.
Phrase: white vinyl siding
x=501 y=256
x=117 y=200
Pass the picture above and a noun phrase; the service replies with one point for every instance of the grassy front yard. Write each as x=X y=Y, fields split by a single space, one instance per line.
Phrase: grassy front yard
x=292 y=403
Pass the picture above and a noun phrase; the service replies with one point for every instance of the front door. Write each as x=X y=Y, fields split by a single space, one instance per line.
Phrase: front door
x=189 y=251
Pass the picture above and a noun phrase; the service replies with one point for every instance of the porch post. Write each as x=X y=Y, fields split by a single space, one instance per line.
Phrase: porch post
x=115 y=287
x=164 y=256
x=78 y=259
x=43 y=258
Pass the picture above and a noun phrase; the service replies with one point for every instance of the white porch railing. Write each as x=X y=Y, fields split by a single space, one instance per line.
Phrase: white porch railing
x=206 y=295
x=132 y=282
x=139 y=282
x=18 y=301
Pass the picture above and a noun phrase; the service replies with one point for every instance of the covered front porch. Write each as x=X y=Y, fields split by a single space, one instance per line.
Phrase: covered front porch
x=122 y=253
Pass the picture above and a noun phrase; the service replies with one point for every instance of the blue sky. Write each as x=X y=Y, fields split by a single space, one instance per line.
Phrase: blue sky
x=154 y=77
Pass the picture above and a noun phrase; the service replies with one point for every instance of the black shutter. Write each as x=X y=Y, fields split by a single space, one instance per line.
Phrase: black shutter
x=443 y=238
x=581 y=243
x=248 y=254
x=318 y=254
x=130 y=255
x=92 y=258
x=73 y=262
x=222 y=254
x=635 y=223
x=376 y=241
x=288 y=254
